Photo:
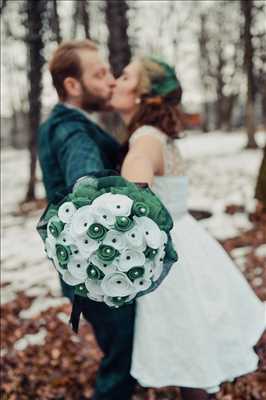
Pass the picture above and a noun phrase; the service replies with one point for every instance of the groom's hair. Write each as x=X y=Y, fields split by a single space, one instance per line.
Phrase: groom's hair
x=65 y=63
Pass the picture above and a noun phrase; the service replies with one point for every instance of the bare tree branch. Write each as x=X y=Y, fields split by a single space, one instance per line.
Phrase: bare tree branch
x=55 y=22
x=2 y=6
x=85 y=18
x=35 y=11
x=118 y=43
x=247 y=9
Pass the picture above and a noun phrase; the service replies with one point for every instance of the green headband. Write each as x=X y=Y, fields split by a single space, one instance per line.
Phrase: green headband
x=166 y=84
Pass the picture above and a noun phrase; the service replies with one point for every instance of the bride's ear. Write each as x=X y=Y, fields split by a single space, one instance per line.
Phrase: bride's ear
x=137 y=101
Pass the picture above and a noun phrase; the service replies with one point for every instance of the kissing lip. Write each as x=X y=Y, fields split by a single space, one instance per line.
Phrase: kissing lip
x=109 y=105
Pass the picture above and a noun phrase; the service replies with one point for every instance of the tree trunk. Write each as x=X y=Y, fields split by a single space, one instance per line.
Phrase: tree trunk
x=81 y=17
x=118 y=42
x=85 y=18
x=56 y=23
x=2 y=6
x=35 y=44
x=247 y=7
x=206 y=122
x=263 y=106
x=204 y=70
x=230 y=102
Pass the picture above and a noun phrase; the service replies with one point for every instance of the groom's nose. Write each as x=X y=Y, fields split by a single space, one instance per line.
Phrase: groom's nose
x=111 y=80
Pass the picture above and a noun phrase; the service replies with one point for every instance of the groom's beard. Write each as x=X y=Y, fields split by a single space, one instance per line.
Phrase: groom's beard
x=90 y=102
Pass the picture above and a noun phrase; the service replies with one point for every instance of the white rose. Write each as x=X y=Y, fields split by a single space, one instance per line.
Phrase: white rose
x=150 y=230
x=141 y=284
x=131 y=258
x=104 y=267
x=86 y=246
x=65 y=236
x=70 y=279
x=158 y=264
x=58 y=267
x=94 y=287
x=78 y=268
x=135 y=238
x=117 y=204
x=104 y=217
x=49 y=246
x=149 y=269
x=117 y=284
x=115 y=239
x=66 y=211
x=85 y=180
x=81 y=221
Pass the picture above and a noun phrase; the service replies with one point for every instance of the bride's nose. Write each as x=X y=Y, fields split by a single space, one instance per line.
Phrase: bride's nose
x=113 y=84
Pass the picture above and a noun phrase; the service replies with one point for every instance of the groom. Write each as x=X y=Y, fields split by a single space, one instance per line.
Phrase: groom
x=71 y=145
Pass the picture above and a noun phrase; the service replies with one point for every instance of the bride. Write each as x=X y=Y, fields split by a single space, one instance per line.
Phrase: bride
x=199 y=328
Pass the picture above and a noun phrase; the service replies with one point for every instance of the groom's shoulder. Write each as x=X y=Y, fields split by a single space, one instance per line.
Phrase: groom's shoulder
x=62 y=115
x=63 y=118
x=63 y=121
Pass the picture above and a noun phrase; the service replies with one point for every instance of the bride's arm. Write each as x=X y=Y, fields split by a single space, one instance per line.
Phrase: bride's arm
x=144 y=160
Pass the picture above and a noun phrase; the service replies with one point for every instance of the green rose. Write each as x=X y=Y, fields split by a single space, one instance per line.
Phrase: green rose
x=150 y=253
x=86 y=191
x=123 y=224
x=121 y=190
x=96 y=231
x=84 y=195
x=81 y=290
x=148 y=201
x=55 y=227
x=105 y=182
x=42 y=230
x=154 y=207
x=62 y=253
x=170 y=251
x=107 y=253
x=51 y=212
x=164 y=220
x=135 y=272
x=94 y=272
x=140 y=209
x=80 y=201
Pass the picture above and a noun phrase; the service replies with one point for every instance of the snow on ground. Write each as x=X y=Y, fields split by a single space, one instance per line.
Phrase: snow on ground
x=24 y=266
x=220 y=173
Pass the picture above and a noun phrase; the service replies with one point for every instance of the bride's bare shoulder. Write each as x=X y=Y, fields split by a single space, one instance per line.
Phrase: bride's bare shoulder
x=148 y=131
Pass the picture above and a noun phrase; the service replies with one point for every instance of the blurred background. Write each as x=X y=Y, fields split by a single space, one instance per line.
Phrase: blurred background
x=218 y=48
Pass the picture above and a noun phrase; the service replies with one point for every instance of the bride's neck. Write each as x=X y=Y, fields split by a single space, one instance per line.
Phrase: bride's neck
x=127 y=116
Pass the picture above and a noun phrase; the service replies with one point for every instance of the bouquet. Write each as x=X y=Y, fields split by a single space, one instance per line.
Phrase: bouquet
x=109 y=238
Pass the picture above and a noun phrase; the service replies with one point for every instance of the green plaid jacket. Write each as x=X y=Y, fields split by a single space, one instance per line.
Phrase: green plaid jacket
x=70 y=146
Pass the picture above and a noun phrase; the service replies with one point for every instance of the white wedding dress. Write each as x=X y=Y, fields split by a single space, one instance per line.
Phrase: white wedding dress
x=199 y=327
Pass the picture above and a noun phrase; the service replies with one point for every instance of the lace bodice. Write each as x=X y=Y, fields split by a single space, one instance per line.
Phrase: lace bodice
x=173 y=161
x=172 y=187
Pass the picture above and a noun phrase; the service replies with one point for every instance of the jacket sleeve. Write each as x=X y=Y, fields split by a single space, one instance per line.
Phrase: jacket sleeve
x=77 y=153
x=260 y=191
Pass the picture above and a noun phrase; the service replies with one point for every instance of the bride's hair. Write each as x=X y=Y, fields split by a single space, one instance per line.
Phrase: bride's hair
x=160 y=111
